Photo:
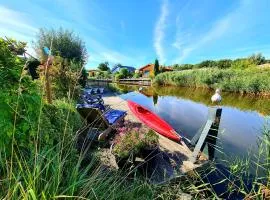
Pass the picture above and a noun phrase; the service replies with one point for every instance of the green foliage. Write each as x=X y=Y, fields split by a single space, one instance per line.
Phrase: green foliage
x=70 y=55
x=206 y=64
x=136 y=75
x=65 y=79
x=118 y=76
x=257 y=59
x=58 y=123
x=104 y=66
x=83 y=78
x=244 y=81
x=240 y=63
x=20 y=101
x=16 y=47
x=103 y=74
x=124 y=72
x=182 y=67
x=156 y=68
x=64 y=44
x=224 y=64
x=24 y=118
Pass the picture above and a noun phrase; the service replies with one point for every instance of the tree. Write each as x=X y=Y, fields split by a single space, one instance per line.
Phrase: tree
x=64 y=44
x=156 y=67
x=67 y=67
x=206 y=64
x=104 y=66
x=124 y=72
x=83 y=77
x=224 y=63
x=257 y=59
x=118 y=65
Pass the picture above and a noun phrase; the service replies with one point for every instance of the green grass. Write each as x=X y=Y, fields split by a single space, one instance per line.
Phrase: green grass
x=251 y=81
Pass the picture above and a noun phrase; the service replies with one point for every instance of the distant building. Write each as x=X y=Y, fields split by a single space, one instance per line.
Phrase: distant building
x=148 y=69
x=117 y=69
x=92 y=72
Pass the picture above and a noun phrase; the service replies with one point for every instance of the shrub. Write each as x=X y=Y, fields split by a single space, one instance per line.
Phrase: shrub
x=65 y=44
x=131 y=140
x=24 y=119
x=136 y=75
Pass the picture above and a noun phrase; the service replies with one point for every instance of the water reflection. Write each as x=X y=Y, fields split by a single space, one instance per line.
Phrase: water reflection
x=202 y=95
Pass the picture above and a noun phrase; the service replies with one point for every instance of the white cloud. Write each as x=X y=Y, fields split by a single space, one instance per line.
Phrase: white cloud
x=16 y=25
x=16 y=19
x=234 y=22
x=159 y=31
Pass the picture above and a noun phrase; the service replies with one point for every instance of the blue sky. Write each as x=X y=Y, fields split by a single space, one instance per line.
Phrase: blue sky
x=136 y=32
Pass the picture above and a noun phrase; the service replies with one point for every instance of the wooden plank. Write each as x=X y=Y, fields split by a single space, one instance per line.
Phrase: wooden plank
x=199 y=145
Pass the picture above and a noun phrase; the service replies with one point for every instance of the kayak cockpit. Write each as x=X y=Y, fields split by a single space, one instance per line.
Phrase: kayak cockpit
x=141 y=110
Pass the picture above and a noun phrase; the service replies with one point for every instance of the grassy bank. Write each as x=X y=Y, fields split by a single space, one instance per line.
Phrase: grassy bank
x=251 y=81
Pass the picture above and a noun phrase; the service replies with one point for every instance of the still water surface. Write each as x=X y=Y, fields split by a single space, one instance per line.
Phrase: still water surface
x=186 y=109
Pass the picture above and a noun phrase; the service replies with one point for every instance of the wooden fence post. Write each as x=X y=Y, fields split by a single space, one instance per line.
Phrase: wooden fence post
x=208 y=135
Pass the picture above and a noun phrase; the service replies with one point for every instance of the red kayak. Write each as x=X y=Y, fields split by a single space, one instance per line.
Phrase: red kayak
x=153 y=121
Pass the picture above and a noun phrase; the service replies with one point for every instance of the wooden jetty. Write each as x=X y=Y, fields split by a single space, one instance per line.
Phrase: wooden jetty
x=179 y=158
x=130 y=81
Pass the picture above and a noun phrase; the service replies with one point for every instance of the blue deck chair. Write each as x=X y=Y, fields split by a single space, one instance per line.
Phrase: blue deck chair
x=100 y=90
x=96 y=116
x=91 y=99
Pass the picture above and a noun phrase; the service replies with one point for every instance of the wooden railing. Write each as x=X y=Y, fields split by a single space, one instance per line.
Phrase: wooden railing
x=133 y=81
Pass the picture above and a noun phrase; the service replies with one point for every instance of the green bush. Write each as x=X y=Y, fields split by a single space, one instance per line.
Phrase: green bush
x=133 y=140
x=20 y=102
x=119 y=76
x=59 y=122
x=136 y=75
x=24 y=120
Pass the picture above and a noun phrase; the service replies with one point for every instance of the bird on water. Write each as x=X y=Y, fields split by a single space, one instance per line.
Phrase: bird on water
x=216 y=98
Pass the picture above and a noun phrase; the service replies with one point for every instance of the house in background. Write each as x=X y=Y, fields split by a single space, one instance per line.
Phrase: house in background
x=117 y=69
x=92 y=72
x=148 y=70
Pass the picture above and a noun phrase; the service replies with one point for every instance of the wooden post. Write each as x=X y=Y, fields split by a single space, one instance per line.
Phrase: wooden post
x=48 y=86
x=209 y=134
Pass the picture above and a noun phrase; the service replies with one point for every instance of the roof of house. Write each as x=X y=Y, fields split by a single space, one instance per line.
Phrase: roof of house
x=128 y=67
x=151 y=65
x=148 y=65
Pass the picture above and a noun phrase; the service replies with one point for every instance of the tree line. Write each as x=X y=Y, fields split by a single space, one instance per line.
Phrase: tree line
x=241 y=63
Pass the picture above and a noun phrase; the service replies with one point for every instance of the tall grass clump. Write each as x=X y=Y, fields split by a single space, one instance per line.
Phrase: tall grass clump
x=250 y=177
x=252 y=81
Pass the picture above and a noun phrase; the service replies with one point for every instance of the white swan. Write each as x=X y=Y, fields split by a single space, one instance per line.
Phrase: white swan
x=216 y=98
